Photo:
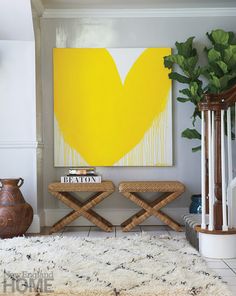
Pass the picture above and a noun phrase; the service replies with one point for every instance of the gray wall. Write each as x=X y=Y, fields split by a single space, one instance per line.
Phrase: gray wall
x=128 y=32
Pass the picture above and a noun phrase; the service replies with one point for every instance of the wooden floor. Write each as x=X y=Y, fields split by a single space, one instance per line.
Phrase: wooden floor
x=224 y=268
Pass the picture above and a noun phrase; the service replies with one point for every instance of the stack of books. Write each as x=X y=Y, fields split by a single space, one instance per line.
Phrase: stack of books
x=81 y=175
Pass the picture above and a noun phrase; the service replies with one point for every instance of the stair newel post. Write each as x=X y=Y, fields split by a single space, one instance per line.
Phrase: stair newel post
x=218 y=219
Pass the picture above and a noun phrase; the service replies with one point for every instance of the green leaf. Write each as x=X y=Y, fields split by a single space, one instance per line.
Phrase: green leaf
x=232 y=48
x=204 y=69
x=220 y=47
x=190 y=63
x=229 y=56
x=215 y=69
x=195 y=100
x=232 y=82
x=196 y=114
x=222 y=66
x=227 y=81
x=197 y=72
x=183 y=100
x=174 y=59
x=224 y=81
x=186 y=92
x=186 y=48
x=178 y=77
x=191 y=134
x=193 y=88
x=213 y=55
x=231 y=37
x=167 y=63
x=220 y=37
x=212 y=89
x=195 y=149
x=199 y=98
x=207 y=75
x=214 y=81
x=210 y=37
x=232 y=63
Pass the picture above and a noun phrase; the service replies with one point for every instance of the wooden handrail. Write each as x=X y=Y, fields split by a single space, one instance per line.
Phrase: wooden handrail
x=216 y=102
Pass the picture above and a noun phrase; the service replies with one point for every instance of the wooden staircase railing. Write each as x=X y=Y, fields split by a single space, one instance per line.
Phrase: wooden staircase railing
x=213 y=108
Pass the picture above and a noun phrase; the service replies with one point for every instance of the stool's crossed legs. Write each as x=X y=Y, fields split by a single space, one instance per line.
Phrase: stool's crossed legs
x=81 y=209
x=150 y=209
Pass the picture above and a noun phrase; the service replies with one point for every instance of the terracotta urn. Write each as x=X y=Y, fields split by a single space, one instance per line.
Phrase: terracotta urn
x=16 y=214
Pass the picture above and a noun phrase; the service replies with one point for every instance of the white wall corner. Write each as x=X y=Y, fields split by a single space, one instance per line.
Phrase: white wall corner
x=35 y=225
x=37 y=8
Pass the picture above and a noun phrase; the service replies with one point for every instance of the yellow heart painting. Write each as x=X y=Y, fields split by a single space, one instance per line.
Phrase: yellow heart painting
x=112 y=107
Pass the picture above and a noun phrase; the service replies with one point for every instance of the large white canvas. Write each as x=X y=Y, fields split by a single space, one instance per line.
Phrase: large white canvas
x=138 y=72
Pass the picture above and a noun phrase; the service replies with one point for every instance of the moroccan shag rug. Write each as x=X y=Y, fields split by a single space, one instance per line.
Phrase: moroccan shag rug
x=129 y=266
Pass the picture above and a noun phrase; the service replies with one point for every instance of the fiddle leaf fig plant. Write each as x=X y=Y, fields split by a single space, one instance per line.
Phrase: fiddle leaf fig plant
x=218 y=74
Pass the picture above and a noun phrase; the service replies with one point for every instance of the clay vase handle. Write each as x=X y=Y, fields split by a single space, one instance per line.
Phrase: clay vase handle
x=20 y=183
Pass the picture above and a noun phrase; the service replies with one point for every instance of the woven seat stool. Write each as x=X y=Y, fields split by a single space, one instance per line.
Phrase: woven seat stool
x=170 y=189
x=62 y=191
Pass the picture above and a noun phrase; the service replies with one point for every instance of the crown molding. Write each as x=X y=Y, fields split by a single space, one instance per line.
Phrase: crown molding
x=37 y=8
x=139 y=13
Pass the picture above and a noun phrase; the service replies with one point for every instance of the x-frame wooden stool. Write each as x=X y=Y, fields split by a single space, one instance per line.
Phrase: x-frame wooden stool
x=171 y=190
x=62 y=191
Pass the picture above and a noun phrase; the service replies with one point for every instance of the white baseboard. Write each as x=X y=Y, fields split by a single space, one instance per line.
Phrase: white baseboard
x=115 y=216
x=35 y=225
